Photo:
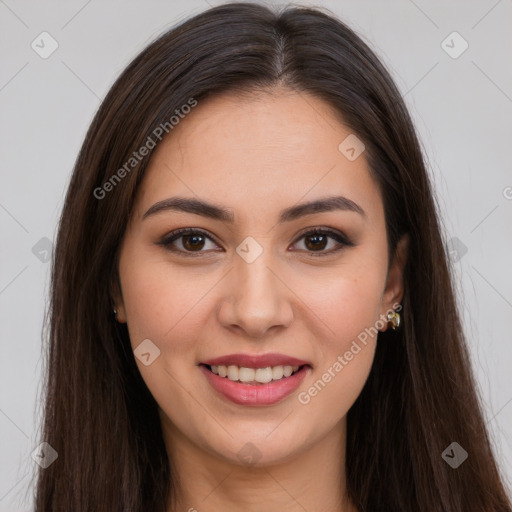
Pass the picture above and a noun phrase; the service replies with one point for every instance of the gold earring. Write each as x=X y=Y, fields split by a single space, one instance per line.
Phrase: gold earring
x=115 y=313
x=394 y=319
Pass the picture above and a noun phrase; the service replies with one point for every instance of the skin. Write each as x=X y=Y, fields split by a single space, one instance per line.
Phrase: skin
x=257 y=155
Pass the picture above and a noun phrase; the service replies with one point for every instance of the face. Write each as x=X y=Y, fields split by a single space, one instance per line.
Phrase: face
x=250 y=281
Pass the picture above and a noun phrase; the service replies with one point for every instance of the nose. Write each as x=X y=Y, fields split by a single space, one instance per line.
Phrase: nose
x=256 y=298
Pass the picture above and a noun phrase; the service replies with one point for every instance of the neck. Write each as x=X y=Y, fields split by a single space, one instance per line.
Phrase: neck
x=313 y=479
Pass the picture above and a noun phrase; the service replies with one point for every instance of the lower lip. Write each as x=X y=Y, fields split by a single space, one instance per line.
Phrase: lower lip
x=256 y=394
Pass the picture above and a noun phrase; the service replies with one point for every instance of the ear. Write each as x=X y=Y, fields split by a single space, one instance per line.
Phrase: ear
x=394 y=290
x=117 y=298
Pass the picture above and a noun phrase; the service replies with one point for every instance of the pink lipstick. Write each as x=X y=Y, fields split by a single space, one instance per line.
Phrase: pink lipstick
x=247 y=379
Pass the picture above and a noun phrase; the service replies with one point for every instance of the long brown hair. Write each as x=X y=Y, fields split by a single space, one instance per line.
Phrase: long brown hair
x=420 y=395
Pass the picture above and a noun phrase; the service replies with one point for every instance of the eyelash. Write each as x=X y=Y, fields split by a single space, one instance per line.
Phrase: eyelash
x=179 y=233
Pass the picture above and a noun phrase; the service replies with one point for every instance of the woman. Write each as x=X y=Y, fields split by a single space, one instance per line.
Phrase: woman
x=251 y=302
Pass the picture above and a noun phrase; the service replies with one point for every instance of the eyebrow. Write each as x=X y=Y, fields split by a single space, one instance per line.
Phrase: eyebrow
x=205 y=209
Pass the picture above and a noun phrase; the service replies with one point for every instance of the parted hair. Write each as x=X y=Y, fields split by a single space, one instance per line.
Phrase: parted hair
x=420 y=395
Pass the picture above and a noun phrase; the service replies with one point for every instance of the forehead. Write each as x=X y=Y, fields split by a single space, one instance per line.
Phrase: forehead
x=258 y=153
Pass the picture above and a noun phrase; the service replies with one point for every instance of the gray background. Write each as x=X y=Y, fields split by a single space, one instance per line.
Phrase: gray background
x=461 y=106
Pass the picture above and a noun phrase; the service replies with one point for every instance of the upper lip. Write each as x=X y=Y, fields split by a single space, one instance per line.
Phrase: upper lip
x=256 y=361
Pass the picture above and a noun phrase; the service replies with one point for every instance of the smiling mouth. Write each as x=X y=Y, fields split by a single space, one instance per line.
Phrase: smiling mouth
x=254 y=376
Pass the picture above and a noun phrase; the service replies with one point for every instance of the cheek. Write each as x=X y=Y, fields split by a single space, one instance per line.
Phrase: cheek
x=164 y=305
x=346 y=301
x=161 y=302
x=345 y=354
x=347 y=308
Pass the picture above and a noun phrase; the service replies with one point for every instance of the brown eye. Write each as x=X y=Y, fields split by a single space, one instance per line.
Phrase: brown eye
x=187 y=241
x=317 y=240
x=193 y=242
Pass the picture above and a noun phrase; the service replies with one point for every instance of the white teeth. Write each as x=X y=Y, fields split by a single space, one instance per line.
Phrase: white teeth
x=245 y=375
x=232 y=372
x=261 y=375
x=287 y=371
x=277 y=372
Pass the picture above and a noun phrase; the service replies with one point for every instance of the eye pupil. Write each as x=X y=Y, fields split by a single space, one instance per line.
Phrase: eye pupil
x=185 y=241
x=197 y=243
x=314 y=245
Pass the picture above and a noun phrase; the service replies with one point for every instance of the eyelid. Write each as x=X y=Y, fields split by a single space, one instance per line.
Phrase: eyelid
x=341 y=238
x=325 y=231
x=168 y=239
